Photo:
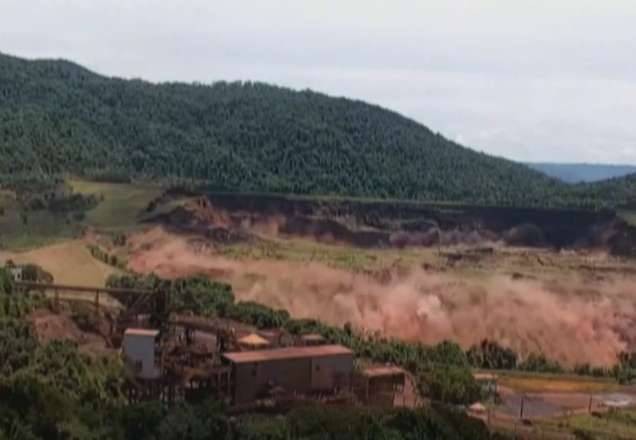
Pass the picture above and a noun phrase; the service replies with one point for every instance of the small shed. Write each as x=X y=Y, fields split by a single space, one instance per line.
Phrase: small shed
x=293 y=369
x=16 y=273
x=381 y=384
x=139 y=349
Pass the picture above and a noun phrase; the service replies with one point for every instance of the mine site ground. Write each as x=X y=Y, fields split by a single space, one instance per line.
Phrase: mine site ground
x=575 y=304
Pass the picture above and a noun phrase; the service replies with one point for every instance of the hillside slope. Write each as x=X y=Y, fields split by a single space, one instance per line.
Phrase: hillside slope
x=619 y=191
x=59 y=117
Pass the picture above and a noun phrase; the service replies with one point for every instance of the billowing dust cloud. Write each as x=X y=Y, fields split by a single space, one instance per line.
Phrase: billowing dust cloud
x=570 y=321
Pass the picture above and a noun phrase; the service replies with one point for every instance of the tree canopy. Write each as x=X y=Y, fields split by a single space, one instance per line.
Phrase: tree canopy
x=57 y=117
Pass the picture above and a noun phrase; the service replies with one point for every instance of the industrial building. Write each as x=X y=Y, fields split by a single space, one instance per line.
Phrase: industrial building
x=139 y=348
x=16 y=273
x=194 y=357
x=302 y=370
x=380 y=385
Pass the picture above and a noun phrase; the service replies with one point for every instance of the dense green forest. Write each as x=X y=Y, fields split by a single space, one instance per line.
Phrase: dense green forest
x=57 y=117
x=619 y=191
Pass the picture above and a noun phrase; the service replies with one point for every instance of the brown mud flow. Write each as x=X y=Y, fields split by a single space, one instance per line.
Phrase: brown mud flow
x=570 y=318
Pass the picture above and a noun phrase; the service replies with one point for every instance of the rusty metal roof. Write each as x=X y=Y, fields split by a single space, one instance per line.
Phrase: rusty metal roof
x=389 y=370
x=276 y=354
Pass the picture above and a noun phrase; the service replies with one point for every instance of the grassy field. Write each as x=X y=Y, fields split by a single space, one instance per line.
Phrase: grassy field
x=573 y=422
x=613 y=425
x=121 y=204
x=31 y=229
x=533 y=263
x=120 y=209
x=555 y=383
x=342 y=257
x=69 y=263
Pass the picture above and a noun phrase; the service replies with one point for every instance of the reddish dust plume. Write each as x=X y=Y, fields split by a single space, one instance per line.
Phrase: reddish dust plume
x=570 y=321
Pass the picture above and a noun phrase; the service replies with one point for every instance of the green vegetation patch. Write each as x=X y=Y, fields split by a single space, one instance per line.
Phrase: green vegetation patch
x=120 y=204
x=612 y=425
x=306 y=251
x=23 y=229
x=546 y=382
x=628 y=215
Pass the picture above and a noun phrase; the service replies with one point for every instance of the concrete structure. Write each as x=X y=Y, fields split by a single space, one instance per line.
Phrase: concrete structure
x=381 y=384
x=16 y=273
x=303 y=370
x=487 y=382
x=139 y=348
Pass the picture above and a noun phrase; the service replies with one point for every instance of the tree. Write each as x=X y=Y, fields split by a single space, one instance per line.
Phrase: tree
x=449 y=384
x=6 y=281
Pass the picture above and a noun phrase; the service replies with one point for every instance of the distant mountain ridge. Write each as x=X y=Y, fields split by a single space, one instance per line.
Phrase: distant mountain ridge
x=582 y=172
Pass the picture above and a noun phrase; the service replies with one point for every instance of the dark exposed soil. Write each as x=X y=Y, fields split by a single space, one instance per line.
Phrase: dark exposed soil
x=231 y=218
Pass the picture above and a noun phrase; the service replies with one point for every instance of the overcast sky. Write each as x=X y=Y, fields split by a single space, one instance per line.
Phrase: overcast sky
x=525 y=79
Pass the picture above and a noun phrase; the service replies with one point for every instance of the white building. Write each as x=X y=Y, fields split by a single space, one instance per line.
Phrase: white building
x=139 y=351
x=16 y=273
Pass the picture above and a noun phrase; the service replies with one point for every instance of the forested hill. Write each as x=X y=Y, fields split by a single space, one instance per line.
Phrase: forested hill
x=57 y=117
x=618 y=191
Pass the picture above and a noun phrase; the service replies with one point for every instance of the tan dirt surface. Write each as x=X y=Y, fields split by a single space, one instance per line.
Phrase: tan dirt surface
x=69 y=262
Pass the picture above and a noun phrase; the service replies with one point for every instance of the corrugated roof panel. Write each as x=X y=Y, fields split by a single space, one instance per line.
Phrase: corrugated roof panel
x=286 y=353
